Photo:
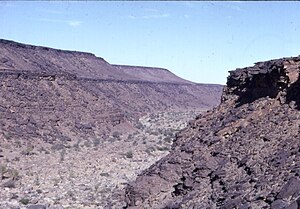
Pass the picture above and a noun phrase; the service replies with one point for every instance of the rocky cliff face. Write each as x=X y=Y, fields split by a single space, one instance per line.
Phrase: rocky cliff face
x=243 y=154
x=59 y=95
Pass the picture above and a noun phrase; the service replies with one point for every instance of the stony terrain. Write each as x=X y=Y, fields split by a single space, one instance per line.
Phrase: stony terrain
x=74 y=129
x=243 y=154
x=85 y=174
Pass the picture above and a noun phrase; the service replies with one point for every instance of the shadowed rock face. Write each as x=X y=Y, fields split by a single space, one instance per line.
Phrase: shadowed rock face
x=58 y=95
x=243 y=154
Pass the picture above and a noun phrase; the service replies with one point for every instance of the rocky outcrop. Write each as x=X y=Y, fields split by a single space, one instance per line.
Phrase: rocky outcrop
x=243 y=154
x=58 y=95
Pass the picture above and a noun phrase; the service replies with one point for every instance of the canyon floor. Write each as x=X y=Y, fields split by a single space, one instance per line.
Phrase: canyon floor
x=85 y=173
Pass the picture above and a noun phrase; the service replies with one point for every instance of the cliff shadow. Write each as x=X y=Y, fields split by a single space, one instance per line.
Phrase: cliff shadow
x=293 y=94
x=262 y=85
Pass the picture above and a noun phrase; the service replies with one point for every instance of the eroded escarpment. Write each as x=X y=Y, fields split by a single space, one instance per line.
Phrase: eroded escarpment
x=74 y=128
x=243 y=154
x=58 y=95
x=61 y=107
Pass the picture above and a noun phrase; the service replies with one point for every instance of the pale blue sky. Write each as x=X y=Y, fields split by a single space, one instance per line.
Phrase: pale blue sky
x=199 y=41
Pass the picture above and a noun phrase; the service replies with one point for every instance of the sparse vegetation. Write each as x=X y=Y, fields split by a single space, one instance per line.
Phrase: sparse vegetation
x=74 y=161
x=24 y=201
x=28 y=150
x=105 y=174
x=129 y=154
x=96 y=142
x=116 y=134
x=62 y=155
x=163 y=148
x=57 y=147
x=150 y=150
x=3 y=170
x=168 y=139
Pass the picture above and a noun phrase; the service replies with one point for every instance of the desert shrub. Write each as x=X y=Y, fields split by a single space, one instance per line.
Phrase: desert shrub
x=111 y=139
x=24 y=201
x=129 y=154
x=14 y=174
x=3 y=170
x=116 y=134
x=168 y=133
x=104 y=174
x=149 y=150
x=9 y=184
x=96 y=142
x=16 y=159
x=97 y=186
x=62 y=155
x=164 y=148
x=168 y=139
x=18 y=144
x=129 y=137
x=76 y=145
x=7 y=136
x=155 y=133
x=87 y=143
x=70 y=194
x=160 y=131
x=139 y=125
x=57 y=147
x=28 y=150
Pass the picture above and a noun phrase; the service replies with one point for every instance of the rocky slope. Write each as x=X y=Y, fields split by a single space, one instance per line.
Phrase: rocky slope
x=62 y=95
x=243 y=154
x=75 y=129
x=88 y=173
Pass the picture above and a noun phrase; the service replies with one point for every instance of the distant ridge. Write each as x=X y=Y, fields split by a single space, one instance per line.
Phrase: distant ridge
x=79 y=87
x=23 y=57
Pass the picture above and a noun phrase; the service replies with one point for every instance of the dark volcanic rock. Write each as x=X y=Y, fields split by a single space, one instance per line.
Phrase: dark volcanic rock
x=243 y=154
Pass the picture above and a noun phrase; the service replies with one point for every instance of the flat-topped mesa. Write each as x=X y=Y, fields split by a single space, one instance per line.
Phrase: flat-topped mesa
x=278 y=79
x=14 y=44
x=43 y=60
x=153 y=74
x=22 y=59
